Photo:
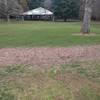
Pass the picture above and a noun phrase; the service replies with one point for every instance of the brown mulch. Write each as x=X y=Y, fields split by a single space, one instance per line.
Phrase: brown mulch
x=47 y=56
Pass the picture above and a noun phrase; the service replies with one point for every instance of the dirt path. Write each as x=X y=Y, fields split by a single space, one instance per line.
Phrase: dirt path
x=47 y=56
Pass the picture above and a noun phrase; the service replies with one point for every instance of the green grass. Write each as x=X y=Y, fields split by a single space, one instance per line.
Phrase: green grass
x=91 y=70
x=67 y=82
x=29 y=34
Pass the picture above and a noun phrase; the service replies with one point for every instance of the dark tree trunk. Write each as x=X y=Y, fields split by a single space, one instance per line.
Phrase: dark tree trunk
x=65 y=19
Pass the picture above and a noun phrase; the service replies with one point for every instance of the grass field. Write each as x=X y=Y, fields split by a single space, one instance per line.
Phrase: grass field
x=73 y=80
x=46 y=34
x=68 y=82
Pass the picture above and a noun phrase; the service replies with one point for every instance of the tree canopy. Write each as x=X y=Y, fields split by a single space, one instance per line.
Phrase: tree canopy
x=10 y=8
x=66 y=9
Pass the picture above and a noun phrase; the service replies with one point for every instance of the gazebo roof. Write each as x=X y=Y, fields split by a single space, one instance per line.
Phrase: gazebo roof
x=38 y=11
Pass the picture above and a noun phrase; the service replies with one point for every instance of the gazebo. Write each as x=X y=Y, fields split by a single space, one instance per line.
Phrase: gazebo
x=38 y=14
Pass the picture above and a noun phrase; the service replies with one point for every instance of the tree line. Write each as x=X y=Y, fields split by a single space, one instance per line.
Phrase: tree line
x=63 y=9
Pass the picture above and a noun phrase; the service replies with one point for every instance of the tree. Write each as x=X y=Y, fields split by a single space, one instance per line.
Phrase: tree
x=24 y=4
x=66 y=9
x=9 y=8
x=82 y=6
x=96 y=12
x=35 y=3
x=48 y=4
x=87 y=16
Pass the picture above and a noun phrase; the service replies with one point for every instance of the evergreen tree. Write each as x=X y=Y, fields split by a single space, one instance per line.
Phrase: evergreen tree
x=66 y=9
x=35 y=3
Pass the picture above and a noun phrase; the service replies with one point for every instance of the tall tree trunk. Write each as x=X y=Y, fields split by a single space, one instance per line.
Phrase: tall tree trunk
x=86 y=21
x=87 y=16
x=6 y=8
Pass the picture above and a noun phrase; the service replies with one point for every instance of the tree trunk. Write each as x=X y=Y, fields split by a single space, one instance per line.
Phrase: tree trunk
x=8 y=18
x=87 y=17
x=86 y=21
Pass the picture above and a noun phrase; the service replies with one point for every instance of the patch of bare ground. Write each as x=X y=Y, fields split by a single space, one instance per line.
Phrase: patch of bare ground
x=47 y=56
x=90 y=34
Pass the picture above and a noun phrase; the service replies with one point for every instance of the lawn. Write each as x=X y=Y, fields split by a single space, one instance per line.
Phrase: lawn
x=72 y=81
x=30 y=34
x=77 y=79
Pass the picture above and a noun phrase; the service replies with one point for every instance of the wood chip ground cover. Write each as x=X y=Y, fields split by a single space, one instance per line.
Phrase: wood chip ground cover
x=47 y=56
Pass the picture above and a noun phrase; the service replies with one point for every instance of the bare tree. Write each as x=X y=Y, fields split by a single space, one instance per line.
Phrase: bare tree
x=48 y=4
x=87 y=16
x=9 y=7
x=96 y=11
